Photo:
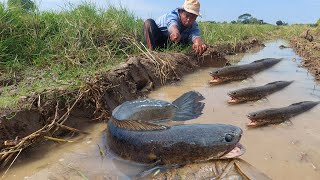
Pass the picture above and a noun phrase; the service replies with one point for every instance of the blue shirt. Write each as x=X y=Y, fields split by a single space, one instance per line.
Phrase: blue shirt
x=165 y=22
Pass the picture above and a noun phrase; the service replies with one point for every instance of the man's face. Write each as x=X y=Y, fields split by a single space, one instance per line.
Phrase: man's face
x=187 y=18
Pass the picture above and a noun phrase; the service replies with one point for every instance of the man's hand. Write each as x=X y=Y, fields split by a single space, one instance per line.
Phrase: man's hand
x=198 y=46
x=175 y=35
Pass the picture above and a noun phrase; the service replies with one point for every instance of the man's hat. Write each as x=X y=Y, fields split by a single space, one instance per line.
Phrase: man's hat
x=192 y=6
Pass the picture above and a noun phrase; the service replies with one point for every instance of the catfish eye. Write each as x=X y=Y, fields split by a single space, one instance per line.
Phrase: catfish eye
x=233 y=93
x=228 y=137
x=216 y=72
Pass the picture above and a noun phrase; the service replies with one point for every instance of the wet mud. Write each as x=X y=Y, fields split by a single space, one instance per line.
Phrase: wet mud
x=307 y=45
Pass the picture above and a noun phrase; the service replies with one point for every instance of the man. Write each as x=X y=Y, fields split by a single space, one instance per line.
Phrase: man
x=178 y=26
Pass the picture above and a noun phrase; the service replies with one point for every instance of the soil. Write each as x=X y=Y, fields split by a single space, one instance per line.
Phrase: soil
x=131 y=80
x=307 y=45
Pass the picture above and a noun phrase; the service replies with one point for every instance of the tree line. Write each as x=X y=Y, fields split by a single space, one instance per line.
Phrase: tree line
x=247 y=18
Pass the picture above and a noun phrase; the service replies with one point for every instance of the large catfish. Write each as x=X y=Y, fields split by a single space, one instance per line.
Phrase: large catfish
x=134 y=133
x=241 y=72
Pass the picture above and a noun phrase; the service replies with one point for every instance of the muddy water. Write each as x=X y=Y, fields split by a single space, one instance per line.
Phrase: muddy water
x=285 y=151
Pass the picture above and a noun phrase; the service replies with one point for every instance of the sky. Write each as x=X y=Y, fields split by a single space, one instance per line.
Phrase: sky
x=290 y=11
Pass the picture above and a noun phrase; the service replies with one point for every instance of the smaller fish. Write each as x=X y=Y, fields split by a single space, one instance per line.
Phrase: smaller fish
x=256 y=93
x=278 y=115
x=241 y=72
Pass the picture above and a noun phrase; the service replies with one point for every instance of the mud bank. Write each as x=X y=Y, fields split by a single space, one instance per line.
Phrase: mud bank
x=307 y=45
x=135 y=78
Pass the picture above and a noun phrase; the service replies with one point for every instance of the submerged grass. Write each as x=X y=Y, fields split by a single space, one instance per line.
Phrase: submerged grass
x=41 y=51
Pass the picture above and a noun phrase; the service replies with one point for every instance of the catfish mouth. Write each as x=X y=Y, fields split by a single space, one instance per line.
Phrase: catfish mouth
x=254 y=123
x=216 y=80
x=236 y=100
x=233 y=100
x=237 y=151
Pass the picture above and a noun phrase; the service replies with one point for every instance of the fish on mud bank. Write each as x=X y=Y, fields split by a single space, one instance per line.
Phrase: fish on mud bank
x=256 y=93
x=134 y=133
x=241 y=72
x=278 y=115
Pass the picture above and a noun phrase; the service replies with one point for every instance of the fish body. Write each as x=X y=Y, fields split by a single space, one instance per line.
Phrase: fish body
x=241 y=72
x=181 y=144
x=134 y=133
x=256 y=93
x=278 y=115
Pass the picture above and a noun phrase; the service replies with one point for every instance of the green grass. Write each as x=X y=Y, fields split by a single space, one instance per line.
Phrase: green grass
x=52 y=50
x=221 y=33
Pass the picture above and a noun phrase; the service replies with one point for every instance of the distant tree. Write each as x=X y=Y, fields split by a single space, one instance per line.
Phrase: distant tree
x=248 y=19
x=255 y=21
x=233 y=22
x=244 y=18
x=279 y=23
x=26 y=5
x=318 y=22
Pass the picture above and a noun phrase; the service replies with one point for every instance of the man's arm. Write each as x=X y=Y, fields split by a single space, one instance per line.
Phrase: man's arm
x=174 y=33
x=197 y=45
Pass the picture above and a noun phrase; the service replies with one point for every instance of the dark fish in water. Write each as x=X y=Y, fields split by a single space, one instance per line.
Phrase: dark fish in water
x=133 y=133
x=241 y=72
x=256 y=93
x=278 y=115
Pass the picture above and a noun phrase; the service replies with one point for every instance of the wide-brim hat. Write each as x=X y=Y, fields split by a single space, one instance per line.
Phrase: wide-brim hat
x=192 y=6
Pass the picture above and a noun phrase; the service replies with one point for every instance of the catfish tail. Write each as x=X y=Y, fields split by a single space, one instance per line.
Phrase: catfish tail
x=189 y=106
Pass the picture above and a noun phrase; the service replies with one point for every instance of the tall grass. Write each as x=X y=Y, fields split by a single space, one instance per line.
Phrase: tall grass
x=75 y=38
x=54 y=49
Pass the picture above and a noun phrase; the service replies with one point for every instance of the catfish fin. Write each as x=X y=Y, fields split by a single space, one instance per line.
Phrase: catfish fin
x=138 y=125
x=189 y=106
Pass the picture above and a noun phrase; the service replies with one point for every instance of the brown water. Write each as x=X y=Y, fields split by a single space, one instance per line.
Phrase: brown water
x=284 y=151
